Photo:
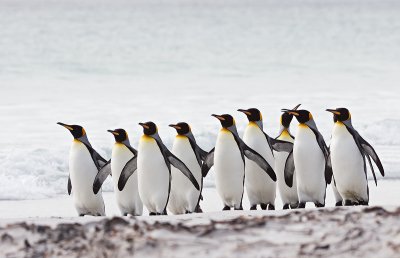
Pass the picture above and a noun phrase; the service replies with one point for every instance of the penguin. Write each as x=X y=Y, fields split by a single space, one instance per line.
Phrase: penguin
x=184 y=198
x=310 y=158
x=228 y=159
x=261 y=189
x=289 y=196
x=349 y=152
x=84 y=164
x=153 y=165
x=128 y=200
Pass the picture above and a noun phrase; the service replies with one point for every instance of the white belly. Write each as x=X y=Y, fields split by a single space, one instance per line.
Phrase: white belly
x=348 y=165
x=229 y=169
x=184 y=196
x=310 y=166
x=259 y=185
x=128 y=199
x=288 y=194
x=153 y=176
x=82 y=173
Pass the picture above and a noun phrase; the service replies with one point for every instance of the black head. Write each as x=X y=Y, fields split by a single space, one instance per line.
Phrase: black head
x=76 y=130
x=120 y=135
x=182 y=128
x=253 y=114
x=340 y=114
x=303 y=116
x=286 y=119
x=226 y=120
x=149 y=128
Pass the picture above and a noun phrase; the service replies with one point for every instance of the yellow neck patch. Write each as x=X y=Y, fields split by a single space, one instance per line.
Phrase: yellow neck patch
x=146 y=138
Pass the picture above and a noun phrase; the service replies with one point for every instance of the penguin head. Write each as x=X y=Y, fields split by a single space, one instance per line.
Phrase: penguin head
x=149 y=128
x=120 y=135
x=302 y=116
x=77 y=131
x=340 y=114
x=226 y=120
x=253 y=114
x=286 y=118
x=182 y=128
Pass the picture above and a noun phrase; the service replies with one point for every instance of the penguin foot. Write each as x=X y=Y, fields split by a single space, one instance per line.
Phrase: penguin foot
x=363 y=203
x=271 y=207
x=263 y=206
x=294 y=206
x=286 y=206
x=254 y=207
x=81 y=215
x=338 y=204
x=348 y=203
x=152 y=214
x=319 y=205
x=302 y=205
x=226 y=208
x=239 y=209
x=198 y=209
x=125 y=214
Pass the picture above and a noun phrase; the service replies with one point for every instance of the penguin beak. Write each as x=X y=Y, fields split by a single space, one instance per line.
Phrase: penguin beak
x=296 y=107
x=113 y=132
x=144 y=125
x=246 y=112
x=177 y=127
x=66 y=126
x=333 y=111
x=220 y=118
x=291 y=112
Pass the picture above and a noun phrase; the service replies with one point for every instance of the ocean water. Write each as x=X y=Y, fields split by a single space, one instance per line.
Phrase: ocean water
x=109 y=64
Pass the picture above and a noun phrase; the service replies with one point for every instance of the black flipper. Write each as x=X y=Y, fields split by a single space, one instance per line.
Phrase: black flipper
x=289 y=169
x=368 y=151
x=69 y=185
x=208 y=163
x=98 y=160
x=372 y=169
x=171 y=159
x=257 y=158
x=279 y=145
x=176 y=162
x=325 y=152
x=328 y=169
x=199 y=152
x=101 y=176
x=128 y=170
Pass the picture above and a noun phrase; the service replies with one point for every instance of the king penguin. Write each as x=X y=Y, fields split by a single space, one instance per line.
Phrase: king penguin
x=84 y=164
x=310 y=158
x=128 y=200
x=184 y=197
x=289 y=196
x=228 y=159
x=349 y=152
x=261 y=189
x=153 y=165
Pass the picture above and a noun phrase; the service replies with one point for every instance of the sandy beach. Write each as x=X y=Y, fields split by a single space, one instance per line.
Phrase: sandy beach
x=50 y=227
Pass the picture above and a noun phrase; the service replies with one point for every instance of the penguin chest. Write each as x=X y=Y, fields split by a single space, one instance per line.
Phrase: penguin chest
x=260 y=187
x=184 y=151
x=119 y=157
x=82 y=173
x=153 y=175
x=228 y=166
x=347 y=163
x=81 y=166
x=309 y=162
